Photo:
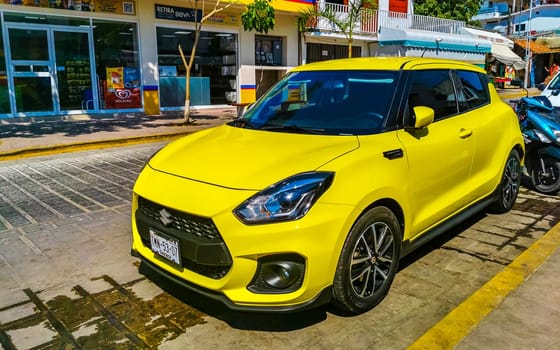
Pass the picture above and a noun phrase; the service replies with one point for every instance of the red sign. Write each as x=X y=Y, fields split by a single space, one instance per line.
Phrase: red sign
x=398 y=6
x=122 y=98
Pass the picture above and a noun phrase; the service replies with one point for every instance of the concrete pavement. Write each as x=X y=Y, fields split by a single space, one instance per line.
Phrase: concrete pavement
x=522 y=299
x=24 y=139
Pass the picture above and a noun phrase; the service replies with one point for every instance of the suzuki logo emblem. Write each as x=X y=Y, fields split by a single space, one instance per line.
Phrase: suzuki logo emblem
x=165 y=217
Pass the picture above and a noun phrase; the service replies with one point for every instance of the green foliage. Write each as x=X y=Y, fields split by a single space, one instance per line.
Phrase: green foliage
x=345 y=22
x=259 y=16
x=451 y=9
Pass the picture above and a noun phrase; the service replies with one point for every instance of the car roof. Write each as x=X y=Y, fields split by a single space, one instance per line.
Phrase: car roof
x=387 y=63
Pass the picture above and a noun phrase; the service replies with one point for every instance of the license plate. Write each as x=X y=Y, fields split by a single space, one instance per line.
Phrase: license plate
x=165 y=246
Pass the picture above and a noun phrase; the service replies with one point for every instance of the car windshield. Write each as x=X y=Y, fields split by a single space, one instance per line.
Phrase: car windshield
x=324 y=102
x=555 y=83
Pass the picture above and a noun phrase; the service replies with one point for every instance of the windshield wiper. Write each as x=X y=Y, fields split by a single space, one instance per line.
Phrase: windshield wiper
x=242 y=123
x=292 y=128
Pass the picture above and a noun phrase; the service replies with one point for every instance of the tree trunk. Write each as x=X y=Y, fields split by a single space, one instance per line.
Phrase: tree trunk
x=187 y=112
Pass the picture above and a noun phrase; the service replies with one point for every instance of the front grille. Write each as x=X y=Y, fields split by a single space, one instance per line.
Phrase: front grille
x=202 y=248
x=187 y=223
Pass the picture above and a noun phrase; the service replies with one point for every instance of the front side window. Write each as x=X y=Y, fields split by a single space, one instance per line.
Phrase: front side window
x=555 y=83
x=327 y=102
x=471 y=91
x=434 y=89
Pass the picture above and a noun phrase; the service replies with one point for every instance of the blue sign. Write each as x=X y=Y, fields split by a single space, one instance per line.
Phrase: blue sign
x=177 y=13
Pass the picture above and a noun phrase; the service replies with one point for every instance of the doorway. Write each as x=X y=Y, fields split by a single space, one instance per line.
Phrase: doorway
x=51 y=69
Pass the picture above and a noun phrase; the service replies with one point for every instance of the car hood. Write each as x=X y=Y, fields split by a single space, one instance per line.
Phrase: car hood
x=248 y=159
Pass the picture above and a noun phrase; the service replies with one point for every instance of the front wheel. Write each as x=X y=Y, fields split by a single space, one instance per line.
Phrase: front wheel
x=509 y=186
x=368 y=262
x=545 y=175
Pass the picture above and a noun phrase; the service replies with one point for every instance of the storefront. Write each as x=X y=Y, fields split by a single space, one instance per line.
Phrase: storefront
x=73 y=64
x=66 y=58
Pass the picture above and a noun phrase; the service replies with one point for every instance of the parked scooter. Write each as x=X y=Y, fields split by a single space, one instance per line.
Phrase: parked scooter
x=540 y=126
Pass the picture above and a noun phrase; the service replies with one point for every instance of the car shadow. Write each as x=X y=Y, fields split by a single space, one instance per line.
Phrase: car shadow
x=439 y=241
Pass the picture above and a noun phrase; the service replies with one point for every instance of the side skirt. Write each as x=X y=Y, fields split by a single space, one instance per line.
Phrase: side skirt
x=410 y=245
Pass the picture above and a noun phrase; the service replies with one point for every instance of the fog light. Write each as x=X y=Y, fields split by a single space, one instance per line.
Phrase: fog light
x=278 y=274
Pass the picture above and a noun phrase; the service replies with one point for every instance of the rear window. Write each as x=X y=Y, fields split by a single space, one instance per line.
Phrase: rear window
x=472 y=90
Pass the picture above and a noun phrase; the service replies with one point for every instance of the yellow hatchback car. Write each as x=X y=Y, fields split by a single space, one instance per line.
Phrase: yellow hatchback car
x=326 y=182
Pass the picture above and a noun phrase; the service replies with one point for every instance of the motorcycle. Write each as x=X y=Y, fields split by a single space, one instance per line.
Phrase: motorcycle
x=540 y=126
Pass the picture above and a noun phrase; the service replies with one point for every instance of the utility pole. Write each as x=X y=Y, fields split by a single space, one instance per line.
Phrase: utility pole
x=528 y=52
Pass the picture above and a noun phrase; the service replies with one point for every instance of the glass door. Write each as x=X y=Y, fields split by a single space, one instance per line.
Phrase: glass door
x=32 y=70
x=73 y=68
x=51 y=69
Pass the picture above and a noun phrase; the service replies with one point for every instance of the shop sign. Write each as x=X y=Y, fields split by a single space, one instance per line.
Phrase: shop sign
x=111 y=6
x=184 y=14
x=122 y=88
x=116 y=6
x=177 y=13
x=225 y=18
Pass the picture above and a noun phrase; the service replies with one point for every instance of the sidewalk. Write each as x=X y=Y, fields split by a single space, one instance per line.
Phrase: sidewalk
x=24 y=139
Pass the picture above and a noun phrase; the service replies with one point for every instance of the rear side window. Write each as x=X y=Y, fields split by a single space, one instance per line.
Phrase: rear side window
x=472 y=90
x=435 y=89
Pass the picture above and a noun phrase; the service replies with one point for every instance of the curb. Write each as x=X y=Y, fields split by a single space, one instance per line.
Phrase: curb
x=88 y=145
x=464 y=318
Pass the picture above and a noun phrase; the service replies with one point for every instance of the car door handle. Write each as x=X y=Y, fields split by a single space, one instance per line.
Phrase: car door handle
x=464 y=133
x=393 y=154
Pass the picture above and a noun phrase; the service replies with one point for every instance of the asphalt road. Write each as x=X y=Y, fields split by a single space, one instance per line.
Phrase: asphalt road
x=67 y=279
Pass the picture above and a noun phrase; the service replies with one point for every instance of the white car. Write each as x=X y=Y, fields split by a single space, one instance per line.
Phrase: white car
x=552 y=90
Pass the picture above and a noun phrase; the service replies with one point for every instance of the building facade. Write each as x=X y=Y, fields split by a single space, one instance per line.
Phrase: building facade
x=534 y=26
x=65 y=58
x=69 y=58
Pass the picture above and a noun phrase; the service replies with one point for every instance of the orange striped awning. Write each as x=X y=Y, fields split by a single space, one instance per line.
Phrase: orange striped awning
x=536 y=48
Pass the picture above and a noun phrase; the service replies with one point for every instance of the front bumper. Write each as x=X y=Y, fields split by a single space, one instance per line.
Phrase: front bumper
x=152 y=271
x=317 y=238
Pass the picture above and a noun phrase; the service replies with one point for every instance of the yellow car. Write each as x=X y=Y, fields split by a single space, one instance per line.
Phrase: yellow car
x=319 y=189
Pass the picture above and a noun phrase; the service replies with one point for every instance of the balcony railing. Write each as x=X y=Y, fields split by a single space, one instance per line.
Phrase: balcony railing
x=369 y=21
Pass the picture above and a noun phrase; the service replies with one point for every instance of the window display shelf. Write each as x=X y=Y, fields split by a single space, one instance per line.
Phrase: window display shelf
x=75 y=80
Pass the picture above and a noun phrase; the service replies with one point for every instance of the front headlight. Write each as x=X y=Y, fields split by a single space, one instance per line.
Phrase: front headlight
x=289 y=199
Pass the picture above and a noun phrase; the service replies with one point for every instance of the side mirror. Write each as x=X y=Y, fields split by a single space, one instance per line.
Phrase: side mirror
x=423 y=116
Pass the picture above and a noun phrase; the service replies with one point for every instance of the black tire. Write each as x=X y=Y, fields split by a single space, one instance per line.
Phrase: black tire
x=546 y=182
x=368 y=261
x=509 y=186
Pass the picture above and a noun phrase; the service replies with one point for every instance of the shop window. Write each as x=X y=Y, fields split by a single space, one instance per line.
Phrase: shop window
x=321 y=52
x=117 y=64
x=268 y=51
x=213 y=74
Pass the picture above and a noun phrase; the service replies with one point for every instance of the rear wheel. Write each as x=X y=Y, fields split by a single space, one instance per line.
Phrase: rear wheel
x=546 y=180
x=509 y=186
x=368 y=262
